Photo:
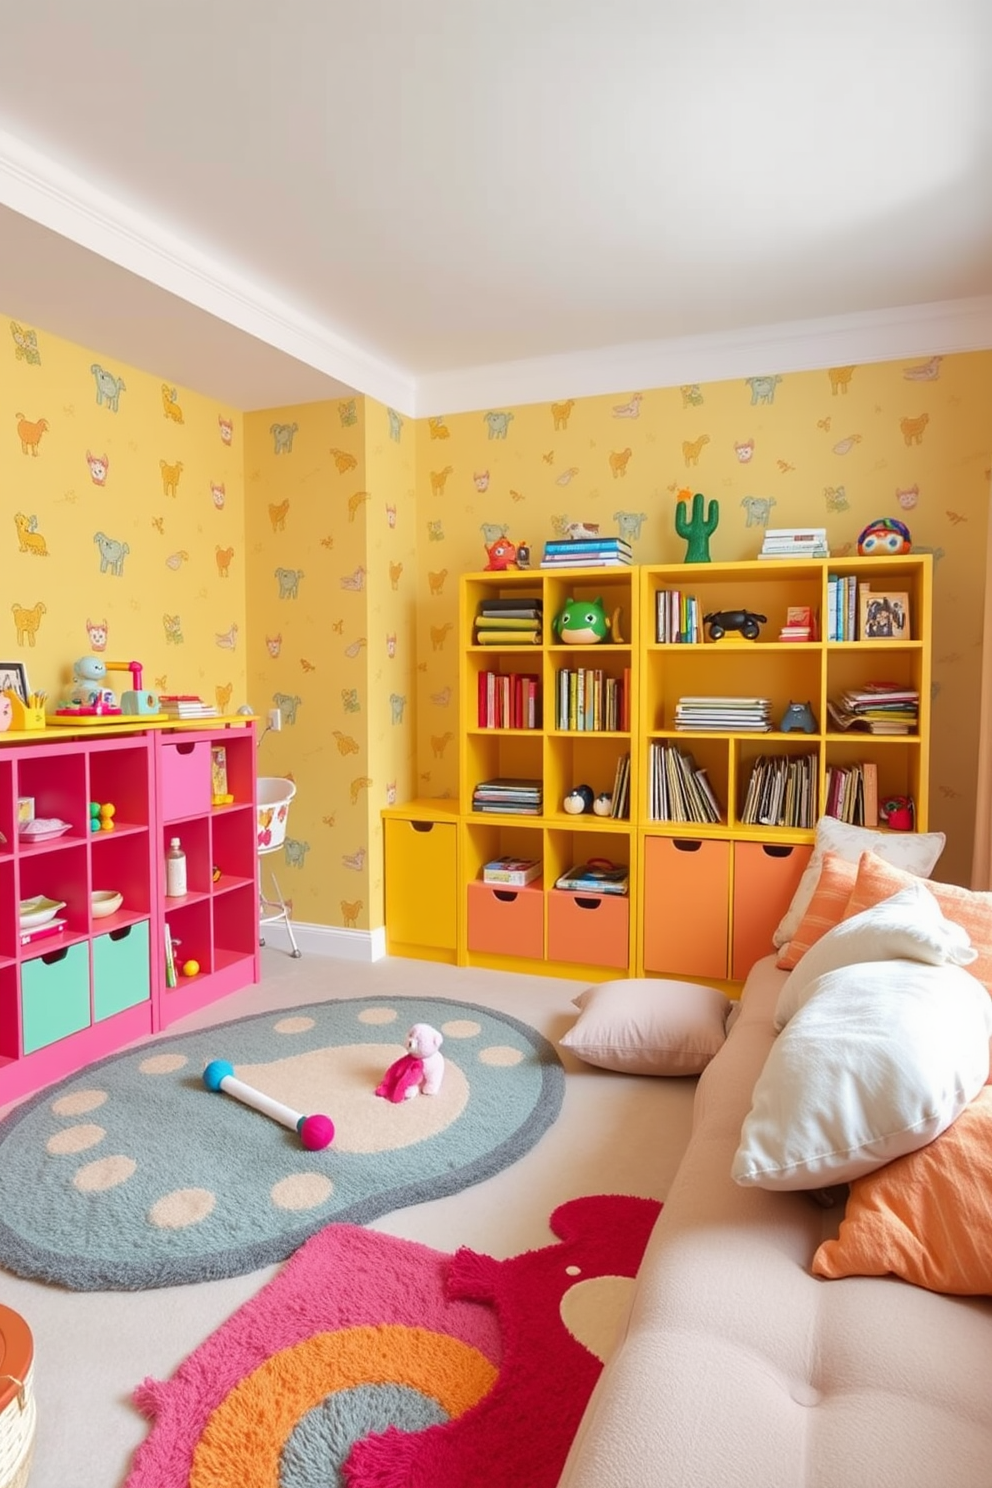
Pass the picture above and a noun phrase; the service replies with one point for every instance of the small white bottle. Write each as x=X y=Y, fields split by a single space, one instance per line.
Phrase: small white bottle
x=175 y=870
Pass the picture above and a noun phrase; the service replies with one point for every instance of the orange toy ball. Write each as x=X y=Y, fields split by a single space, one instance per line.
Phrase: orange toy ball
x=191 y=968
x=108 y=809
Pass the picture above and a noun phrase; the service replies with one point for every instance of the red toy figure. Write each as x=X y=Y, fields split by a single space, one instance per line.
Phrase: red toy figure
x=502 y=555
x=898 y=813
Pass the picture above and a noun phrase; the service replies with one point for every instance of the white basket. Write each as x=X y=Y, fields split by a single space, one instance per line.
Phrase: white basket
x=17 y=1428
x=274 y=796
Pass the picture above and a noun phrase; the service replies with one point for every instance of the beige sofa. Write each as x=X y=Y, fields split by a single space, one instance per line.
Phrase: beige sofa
x=740 y=1368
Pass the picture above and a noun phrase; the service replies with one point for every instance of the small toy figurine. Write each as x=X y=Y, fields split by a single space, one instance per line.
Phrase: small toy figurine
x=898 y=813
x=578 y=800
x=885 y=538
x=603 y=804
x=502 y=554
x=523 y=555
x=798 y=716
x=88 y=673
x=697 y=529
x=582 y=622
x=748 y=622
x=421 y=1068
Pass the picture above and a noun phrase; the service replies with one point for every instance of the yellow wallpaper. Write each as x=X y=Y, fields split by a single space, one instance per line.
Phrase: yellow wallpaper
x=329 y=497
x=836 y=447
x=123 y=522
x=308 y=557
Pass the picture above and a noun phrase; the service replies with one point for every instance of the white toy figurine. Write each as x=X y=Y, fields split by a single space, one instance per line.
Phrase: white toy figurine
x=421 y=1068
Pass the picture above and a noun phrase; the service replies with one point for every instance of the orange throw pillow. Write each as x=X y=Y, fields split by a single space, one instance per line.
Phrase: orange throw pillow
x=970 y=908
x=825 y=910
x=925 y=1217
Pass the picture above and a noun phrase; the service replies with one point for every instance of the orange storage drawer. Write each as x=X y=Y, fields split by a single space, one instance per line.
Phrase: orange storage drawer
x=686 y=906
x=505 y=921
x=765 y=878
x=593 y=929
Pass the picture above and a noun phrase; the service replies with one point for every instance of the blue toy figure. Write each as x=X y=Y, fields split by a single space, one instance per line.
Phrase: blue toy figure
x=88 y=673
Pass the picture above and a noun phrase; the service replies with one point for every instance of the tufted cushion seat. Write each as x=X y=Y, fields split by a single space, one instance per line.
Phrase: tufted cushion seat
x=739 y=1367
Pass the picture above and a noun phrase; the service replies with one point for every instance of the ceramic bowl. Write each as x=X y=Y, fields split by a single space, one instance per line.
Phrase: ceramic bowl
x=38 y=911
x=105 y=902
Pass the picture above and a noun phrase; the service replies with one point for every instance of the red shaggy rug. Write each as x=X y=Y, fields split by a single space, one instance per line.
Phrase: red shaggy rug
x=374 y=1362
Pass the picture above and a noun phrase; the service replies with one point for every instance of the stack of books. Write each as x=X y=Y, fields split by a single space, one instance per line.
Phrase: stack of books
x=596 y=877
x=26 y=934
x=587 y=552
x=186 y=705
x=678 y=789
x=507 y=796
x=781 y=791
x=880 y=707
x=800 y=624
x=516 y=872
x=795 y=542
x=724 y=714
x=515 y=621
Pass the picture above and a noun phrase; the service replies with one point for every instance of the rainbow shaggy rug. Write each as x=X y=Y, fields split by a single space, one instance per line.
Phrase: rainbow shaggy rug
x=132 y=1175
x=375 y=1362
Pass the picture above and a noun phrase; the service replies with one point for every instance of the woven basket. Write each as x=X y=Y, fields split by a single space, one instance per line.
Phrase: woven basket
x=18 y=1420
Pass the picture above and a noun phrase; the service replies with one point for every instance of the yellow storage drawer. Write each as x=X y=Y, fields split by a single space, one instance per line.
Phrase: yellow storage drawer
x=421 y=884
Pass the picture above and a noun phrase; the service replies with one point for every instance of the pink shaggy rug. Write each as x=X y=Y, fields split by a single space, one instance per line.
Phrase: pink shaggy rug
x=373 y=1362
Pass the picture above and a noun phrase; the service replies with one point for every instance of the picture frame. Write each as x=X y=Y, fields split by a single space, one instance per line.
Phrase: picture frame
x=14 y=678
x=884 y=615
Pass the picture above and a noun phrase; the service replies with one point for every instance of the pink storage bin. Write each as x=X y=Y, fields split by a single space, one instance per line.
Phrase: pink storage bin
x=185 y=778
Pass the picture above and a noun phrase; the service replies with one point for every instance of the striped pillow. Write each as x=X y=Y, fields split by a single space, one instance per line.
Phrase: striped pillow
x=826 y=908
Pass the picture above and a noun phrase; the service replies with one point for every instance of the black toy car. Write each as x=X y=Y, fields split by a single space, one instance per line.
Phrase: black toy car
x=746 y=621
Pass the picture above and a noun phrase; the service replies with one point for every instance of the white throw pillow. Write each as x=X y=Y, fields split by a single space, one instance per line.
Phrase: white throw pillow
x=880 y=1060
x=915 y=852
x=910 y=925
x=649 y=1026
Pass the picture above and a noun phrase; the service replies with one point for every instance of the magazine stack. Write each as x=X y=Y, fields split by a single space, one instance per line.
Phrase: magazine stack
x=794 y=542
x=508 y=796
x=587 y=552
x=735 y=715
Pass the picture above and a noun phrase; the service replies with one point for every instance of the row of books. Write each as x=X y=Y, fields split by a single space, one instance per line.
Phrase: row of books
x=794 y=542
x=587 y=552
x=878 y=708
x=512 y=620
x=678 y=789
x=678 y=618
x=842 y=607
x=620 y=796
x=781 y=791
x=852 y=793
x=723 y=714
x=509 y=700
x=589 y=700
x=508 y=795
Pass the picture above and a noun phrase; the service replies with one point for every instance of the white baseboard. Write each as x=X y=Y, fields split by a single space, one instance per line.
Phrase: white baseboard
x=328 y=940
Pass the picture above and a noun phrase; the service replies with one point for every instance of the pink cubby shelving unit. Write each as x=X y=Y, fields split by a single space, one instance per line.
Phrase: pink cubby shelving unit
x=100 y=983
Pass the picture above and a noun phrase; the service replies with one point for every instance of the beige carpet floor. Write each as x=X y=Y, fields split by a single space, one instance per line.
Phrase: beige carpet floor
x=616 y=1134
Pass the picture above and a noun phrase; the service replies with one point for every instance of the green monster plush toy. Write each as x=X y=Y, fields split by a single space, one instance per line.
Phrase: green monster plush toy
x=584 y=622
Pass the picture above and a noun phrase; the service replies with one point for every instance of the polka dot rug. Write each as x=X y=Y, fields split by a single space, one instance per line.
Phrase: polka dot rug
x=133 y=1175
x=375 y=1362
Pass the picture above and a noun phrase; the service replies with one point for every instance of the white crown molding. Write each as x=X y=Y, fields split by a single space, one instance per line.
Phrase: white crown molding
x=797 y=346
x=38 y=188
x=45 y=192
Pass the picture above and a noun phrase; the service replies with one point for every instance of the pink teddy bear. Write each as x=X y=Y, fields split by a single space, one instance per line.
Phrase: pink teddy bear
x=421 y=1068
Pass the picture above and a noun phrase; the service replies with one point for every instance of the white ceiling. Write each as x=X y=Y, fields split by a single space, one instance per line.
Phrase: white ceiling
x=454 y=203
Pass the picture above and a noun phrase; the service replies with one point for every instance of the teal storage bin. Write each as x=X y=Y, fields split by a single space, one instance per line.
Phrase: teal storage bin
x=55 y=995
x=121 y=970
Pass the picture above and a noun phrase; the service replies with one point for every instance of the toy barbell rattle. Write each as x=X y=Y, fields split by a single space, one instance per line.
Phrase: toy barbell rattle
x=315 y=1132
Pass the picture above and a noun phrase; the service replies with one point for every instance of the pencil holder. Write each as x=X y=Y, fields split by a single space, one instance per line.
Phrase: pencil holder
x=24 y=716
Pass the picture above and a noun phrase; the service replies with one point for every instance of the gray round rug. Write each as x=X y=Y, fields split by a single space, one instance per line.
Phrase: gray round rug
x=132 y=1174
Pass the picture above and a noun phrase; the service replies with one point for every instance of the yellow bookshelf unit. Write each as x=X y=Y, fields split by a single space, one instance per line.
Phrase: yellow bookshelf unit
x=721 y=798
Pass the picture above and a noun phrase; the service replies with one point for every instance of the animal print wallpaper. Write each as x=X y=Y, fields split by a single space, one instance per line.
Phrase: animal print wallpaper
x=330 y=499
x=123 y=522
x=836 y=447
x=307 y=558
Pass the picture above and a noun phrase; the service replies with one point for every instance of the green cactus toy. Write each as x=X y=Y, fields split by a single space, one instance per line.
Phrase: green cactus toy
x=697 y=531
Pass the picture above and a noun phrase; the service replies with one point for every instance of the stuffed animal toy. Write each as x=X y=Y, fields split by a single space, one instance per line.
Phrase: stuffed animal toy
x=421 y=1068
x=898 y=813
